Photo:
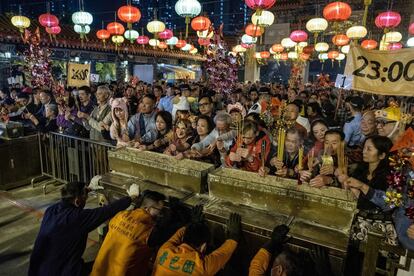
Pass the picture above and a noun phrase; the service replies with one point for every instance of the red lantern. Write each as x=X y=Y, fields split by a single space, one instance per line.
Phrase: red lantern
x=48 y=20
x=129 y=14
x=411 y=29
x=299 y=36
x=166 y=34
x=115 y=28
x=340 y=40
x=308 y=49
x=204 y=41
x=284 y=56
x=333 y=54
x=369 y=44
x=254 y=30
x=180 y=43
x=162 y=45
x=337 y=11
x=247 y=46
x=388 y=19
x=103 y=34
x=260 y=4
x=143 y=39
x=395 y=46
x=200 y=23
x=304 y=56
x=53 y=30
x=264 y=54
x=277 y=48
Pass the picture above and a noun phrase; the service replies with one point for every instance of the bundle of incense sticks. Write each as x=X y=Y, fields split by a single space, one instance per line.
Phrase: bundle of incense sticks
x=239 y=130
x=281 y=143
x=300 y=158
x=311 y=157
x=263 y=153
x=342 y=162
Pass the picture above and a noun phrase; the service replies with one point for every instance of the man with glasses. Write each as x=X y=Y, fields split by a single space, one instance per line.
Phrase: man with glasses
x=206 y=106
x=388 y=122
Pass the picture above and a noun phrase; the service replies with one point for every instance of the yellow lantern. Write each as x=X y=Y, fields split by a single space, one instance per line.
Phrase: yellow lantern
x=154 y=42
x=356 y=32
x=383 y=45
x=263 y=18
x=21 y=22
x=194 y=51
x=288 y=43
x=155 y=26
x=118 y=39
x=321 y=47
x=392 y=37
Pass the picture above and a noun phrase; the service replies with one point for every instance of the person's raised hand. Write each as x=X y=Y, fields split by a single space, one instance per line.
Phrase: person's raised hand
x=197 y=215
x=234 y=226
x=305 y=176
x=279 y=234
x=94 y=184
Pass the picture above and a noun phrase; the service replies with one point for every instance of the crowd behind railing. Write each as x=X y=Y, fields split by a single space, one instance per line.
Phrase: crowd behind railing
x=189 y=120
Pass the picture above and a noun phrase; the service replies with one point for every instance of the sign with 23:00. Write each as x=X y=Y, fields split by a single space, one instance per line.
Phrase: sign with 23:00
x=381 y=72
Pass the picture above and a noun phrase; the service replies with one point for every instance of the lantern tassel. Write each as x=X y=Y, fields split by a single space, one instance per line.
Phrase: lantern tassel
x=187 y=21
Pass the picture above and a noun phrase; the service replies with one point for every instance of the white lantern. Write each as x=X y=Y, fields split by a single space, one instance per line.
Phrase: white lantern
x=247 y=39
x=392 y=37
x=257 y=55
x=172 y=41
x=323 y=56
x=239 y=49
x=188 y=8
x=155 y=26
x=82 y=29
x=272 y=52
x=288 y=43
x=187 y=47
x=321 y=47
x=410 y=42
x=265 y=19
x=293 y=55
x=302 y=44
x=356 y=32
x=154 y=42
x=340 y=57
x=194 y=51
x=131 y=35
x=82 y=18
x=345 y=49
x=317 y=25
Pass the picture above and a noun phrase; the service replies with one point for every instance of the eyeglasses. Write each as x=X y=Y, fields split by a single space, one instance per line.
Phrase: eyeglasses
x=203 y=104
x=383 y=122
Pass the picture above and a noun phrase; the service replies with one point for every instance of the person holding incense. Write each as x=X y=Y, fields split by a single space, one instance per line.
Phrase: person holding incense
x=251 y=150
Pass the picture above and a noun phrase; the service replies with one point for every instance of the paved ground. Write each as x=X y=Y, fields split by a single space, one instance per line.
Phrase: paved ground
x=21 y=212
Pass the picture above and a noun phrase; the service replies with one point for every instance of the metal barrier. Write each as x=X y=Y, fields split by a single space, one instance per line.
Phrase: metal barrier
x=67 y=158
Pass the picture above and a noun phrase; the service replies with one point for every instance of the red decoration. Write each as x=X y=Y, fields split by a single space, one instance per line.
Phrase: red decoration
x=284 y=56
x=53 y=30
x=203 y=41
x=162 y=45
x=277 y=48
x=337 y=11
x=129 y=14
x=115 y=28
x=143 y=39
x=299 y=36
x=411 y=29
x=180 y=43
x=166 y=34
x=333 y=54
x=260 y=4
x=369 y=44
x=48 y=20
x=394 y=46
x=103 y=34
x=340 y=40
x=200 y=23
x=388 y=19
x=308 y=49
x=264 y=54
x=254 y=30
x=304 y=56
x=247 y=46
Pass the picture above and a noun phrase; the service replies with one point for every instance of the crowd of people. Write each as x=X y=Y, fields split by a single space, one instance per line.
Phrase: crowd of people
x=189 y=120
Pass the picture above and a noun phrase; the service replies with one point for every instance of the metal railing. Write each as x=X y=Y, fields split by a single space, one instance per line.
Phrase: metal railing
x=67 y=158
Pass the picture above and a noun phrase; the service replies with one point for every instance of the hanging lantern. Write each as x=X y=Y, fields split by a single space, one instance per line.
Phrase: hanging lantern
x=356 y=32
x=154 y=42
x=180 y=43
x=308 y=49
x=392 y=37
x=395 y=46
x=239 y=49
x=304 y=56
x=200 y=23
x=187 y=9
x=103 y=35
x=298 y=36
x=257 y=55
x=166 y=34
x=53 y=30
x=129 y=14
x=155 y=27
x=187 y=47
x=194 y=51
x=203 y=41
x=143 y=40
x=278 y=48
x=21 y=22
x=83 y=30
x=321 y=47
x=293 y=55
x=264 y=54
x=246 y=46
x=411 y=29
x=172 y=41
x=410 y=42
x=260 y=4
x=337 y=11
x=263 y=18
x=302 y=44
x=272 y=52
x=162 y=45
x=82 y=19
x=284 y=56
x=48 y=20
x=115 y=28
x=333 y=54
x=340 y=57
x=387 y=20
x=247 y=39
x=205 y=34
x=117 y=40
x=340 y=40
x=345 y=49
x=369 y=44
x=383 y=46
x=323 y=56
x=316 y=26
x=131 y=35
x=288 y=43
x=254 y=30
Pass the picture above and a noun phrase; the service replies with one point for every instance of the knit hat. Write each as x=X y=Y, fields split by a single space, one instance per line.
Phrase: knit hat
x=238 y=107
x=118 y=103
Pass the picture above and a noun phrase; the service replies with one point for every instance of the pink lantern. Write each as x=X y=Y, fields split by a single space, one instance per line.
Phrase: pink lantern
x=260 y=4
x=388 y=19
x=411 y=29
x=299 y=36
x=53 y=30
x=142 y=39
x=395 y=46
x=166 y=34
x=48 y=20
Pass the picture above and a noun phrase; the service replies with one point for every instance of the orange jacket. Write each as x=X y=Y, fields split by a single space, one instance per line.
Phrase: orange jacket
x=125 y=250
x=260 y=263
x=179 y=259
